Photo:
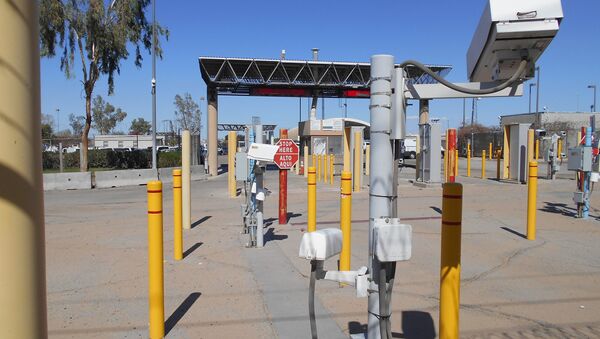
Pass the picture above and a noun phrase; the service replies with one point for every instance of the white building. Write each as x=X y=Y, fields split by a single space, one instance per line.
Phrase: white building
x=127 y=141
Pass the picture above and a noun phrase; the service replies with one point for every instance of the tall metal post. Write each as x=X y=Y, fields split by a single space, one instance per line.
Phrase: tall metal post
x=154 y=85
x=283 y=174
x=537 y=91
x=213 y=163
x=22 y=245
x=594 y=108
x=530 y=86
x=186 y=189
x=381 y=178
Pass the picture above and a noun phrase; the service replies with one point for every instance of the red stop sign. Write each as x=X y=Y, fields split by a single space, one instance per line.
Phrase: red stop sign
x=287 y=154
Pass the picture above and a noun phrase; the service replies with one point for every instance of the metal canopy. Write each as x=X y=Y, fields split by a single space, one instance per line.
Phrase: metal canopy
x=297 y=78
x=242 y=127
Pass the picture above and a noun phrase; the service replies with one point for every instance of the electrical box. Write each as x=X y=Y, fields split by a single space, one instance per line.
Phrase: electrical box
x=321 y=244
x=393 y=240
x=578 y=197
x=580 y=159
x=241 y=166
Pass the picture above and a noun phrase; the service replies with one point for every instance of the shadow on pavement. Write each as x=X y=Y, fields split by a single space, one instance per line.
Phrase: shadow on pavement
x=191 y=249
x=415 y=325
x=270 y=236
x=437 y=209
x=201 y=220
x=181 y=311
x=559 y=208
x=514 y=232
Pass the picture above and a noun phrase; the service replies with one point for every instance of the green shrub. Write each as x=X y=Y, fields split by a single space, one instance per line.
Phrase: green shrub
x=169 y=159
x=50 y=160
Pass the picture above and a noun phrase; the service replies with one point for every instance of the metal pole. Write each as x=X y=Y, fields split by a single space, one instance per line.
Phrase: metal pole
x=22 y=244
x=213 y=161
x=358 y=166
x=231 y=145
x=346 y=220
x=381 y=178
x=154 y=85
x=185 y=178
x=60 y=157
x=283 y=176
x=464 y=111
x=537 y=89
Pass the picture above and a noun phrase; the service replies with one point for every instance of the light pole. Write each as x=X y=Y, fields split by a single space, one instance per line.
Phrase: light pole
x=154 y=84
x=593 y=87
x=530 y=85
x=537 y=89
x=57 y=120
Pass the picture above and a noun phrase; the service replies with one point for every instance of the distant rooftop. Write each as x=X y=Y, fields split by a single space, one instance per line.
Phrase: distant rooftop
x=297 y=78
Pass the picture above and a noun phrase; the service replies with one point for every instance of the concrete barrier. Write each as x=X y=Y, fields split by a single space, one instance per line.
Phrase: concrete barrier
x=67 y=181
x=107 y=179
x=166 y=174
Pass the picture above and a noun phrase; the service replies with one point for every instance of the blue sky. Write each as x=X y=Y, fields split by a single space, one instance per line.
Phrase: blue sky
x=437 y=32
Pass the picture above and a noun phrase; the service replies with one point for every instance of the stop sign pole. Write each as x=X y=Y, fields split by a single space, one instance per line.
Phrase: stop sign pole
x=283 y=134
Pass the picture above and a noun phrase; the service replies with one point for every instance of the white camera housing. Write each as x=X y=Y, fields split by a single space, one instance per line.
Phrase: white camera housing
x=508 y=32
x=321 y=244
x=262 y=152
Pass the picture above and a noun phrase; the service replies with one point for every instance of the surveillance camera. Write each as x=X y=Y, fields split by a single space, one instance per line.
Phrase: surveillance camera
x=510 y=31
x=153 y=82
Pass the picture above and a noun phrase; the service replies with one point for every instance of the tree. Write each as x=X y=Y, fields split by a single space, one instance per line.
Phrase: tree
x=106 y=117
x=47 y=123
x=99 y=35
x=140 y=126
x=77 y=123
x=187 y=113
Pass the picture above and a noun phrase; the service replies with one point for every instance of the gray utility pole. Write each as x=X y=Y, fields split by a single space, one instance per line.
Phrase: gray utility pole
x=154 y=84
x=537 y=89
x=594 y=105
x=473 y=112
x=464 y=110
x=530 y=85
x=381 y=188
x=57 y=120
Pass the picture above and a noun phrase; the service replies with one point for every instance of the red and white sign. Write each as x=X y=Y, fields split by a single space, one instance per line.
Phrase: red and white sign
x=287 y=154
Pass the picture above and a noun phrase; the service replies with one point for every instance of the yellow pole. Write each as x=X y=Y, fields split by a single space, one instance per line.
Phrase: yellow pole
x=537 y=149
x=498 y=153
x=177 y=232
x=155 y=261
x=186 y=192
x=346 y=220
x=358 y=165
x=367 y=159
x=469 y=160
x=531 y=200
x=312 y=200
x=530 y=143
x=332 y=168
x=22 y=245
x=319 y=166
x=450 y=261
x=325 y=168
x=490 y=150
x=559 y=151
x=483 y=164
x=347 y=155
x=456 y=162
x=231 y=143
x=305 y=169
x=314 y=161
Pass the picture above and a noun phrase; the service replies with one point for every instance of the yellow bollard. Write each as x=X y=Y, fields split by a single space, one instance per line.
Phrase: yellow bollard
x=483 y=164
x=367 y=159
x=186 y=189
x=446 y=157
x=312 y=200
x=305 y=168
x=358 y=165
x=498 y=154
x=155 y=260
x=537 y=149
x=346 y=220
x=177 y=232
x=490 y=151
x=530 y=143
x=559 y=151
x=231 y=144
x=456 y=163
x=469 y=161
x=332 y=168
x=531 y=200
x=319 y=166
x=325 y=168
x=450 y=261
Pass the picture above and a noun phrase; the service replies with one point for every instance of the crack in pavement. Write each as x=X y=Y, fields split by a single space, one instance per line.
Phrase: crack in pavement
x=502 y=265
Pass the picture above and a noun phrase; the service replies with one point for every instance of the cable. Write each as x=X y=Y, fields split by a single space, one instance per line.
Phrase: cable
x=383 y=318
x=389 y=298
x=311 y=299
x=520 y=71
